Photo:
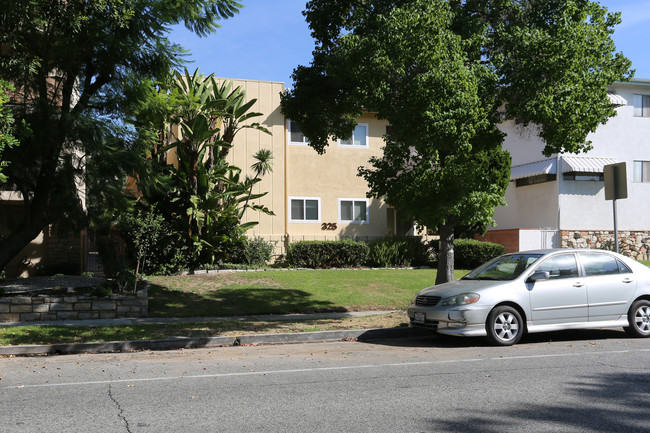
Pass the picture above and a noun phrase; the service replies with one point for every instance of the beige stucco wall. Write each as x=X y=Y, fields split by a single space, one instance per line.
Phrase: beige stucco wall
x=333 y=176
x=249 y=141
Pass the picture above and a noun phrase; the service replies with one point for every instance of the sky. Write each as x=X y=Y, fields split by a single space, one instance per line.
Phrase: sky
x=269 y=38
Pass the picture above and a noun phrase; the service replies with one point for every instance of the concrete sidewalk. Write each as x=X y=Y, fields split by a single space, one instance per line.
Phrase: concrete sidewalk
x=208 y=342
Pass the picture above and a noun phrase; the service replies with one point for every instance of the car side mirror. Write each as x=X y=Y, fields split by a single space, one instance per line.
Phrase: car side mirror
x=539 y=276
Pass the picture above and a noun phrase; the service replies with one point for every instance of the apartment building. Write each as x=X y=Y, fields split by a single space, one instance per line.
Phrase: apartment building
x=313 y=197
x=559 y=201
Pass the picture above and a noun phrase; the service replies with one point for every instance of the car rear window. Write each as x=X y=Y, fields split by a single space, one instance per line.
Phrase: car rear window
x=601 y=264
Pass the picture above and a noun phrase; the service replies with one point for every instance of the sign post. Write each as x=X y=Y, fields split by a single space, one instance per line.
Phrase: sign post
x=615 y=176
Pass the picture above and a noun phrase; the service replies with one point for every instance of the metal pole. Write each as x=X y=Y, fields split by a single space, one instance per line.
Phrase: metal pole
x=615 y=226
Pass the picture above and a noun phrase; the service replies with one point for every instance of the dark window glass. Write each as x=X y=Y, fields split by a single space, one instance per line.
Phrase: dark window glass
x=562 y=266
x=599 y=264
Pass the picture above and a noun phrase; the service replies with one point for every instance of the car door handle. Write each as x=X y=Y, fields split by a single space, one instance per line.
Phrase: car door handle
x=578 y=285
x=628 y=280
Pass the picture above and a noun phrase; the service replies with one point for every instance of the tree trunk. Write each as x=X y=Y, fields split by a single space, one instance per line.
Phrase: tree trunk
x=30 y=227
x=446 y=253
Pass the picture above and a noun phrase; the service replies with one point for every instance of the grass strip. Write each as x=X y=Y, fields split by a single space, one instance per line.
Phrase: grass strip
x=11 y=336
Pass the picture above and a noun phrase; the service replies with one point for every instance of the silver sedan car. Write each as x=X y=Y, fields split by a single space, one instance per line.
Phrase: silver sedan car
x=539 y=291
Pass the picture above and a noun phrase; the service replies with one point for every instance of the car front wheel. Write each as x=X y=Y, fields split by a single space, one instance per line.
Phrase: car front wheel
x=639 y=319
x=504 y=326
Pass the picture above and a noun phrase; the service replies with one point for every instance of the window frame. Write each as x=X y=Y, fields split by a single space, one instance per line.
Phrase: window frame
x=353 y=200
x=590 y=271
x=535 y=180
x=304 y=200
x=641 y=105
x=354 y=146
x=639 y=168
x=559 y=276
x=584 y=176
x=305 y=140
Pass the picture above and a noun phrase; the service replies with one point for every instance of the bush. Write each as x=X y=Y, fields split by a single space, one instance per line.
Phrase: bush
x=327 y=254
x=470 y=253
x=390 y=251
x=256 y=252
x=164 y=250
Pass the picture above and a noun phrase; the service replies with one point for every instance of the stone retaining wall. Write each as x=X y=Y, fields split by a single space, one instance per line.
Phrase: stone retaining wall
x=72 y=307
x=634 y=244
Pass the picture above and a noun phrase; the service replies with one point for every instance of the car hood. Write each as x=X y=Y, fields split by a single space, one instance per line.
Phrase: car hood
x=459 y=286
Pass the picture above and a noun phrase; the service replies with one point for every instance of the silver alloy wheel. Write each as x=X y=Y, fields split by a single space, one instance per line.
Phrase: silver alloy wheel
x=506 y=326
x=642 y=319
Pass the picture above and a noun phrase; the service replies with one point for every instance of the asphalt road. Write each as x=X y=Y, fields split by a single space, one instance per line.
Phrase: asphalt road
x=580 y=381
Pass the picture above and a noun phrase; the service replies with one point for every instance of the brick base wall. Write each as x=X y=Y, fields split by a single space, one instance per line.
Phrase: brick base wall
x=509 y=238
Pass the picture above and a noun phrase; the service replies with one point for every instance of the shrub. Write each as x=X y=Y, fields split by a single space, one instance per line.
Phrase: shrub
x=327 y=254
x=256 y=252
x=390 y=251
x=153 y=241
x=470 y=253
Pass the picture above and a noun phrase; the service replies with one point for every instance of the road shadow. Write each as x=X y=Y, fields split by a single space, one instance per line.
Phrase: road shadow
x=615 y=402
x=423 y=338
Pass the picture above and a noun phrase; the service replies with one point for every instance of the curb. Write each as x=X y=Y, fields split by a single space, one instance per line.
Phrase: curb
x=175 y=343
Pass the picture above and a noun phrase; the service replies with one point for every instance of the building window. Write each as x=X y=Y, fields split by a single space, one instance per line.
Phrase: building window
x=641 y=172
x=295 y=134
x=641 y=105
x=359 y=137
x=584 y=176
x=305 y=210
x=532 y=180
x=353 y=210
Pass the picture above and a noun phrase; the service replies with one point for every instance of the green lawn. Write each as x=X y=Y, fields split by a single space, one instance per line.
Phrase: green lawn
x=254 y=293
x=645 y=262
x=276 y=292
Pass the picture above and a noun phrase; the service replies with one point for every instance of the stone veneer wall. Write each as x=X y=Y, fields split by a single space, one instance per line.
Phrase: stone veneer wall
x=634 y=244
x=72 y=307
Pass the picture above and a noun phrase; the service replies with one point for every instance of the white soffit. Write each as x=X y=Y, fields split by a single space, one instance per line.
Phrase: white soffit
x=585 y=164
x=547 y=166
x=616 y=99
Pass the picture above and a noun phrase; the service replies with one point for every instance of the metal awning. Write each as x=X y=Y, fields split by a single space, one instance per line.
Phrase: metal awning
x=585 y=164
x=616 y=99
x=547 y=166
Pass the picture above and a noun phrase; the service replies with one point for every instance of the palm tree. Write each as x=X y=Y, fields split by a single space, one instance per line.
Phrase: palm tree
x=260 y=167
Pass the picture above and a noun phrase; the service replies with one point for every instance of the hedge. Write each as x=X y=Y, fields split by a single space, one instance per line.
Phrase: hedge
x=470 y=253
x=327 y=254
x=391 y=251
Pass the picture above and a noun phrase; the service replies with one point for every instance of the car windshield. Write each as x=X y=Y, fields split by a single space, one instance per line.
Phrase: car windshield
x=503 y=268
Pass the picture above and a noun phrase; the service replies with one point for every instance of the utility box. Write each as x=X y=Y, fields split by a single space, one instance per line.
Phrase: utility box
x=615 y=181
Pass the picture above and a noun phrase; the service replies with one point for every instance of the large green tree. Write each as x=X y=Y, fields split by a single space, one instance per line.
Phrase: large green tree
x=67 y=59
x=7 y=138
x=445 y=73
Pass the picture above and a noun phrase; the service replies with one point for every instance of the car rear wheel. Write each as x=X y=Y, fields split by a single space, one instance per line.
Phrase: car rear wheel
x=639 y=319
x=504 y=326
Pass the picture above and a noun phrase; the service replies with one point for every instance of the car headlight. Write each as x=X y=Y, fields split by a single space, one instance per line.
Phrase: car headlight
x=462 y=299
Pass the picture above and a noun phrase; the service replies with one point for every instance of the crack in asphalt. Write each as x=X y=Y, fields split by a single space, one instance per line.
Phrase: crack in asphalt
x=120 y=413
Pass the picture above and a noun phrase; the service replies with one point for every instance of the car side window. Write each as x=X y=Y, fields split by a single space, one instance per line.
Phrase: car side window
x=599 y=264
x=560 y=266
x=623 y=268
